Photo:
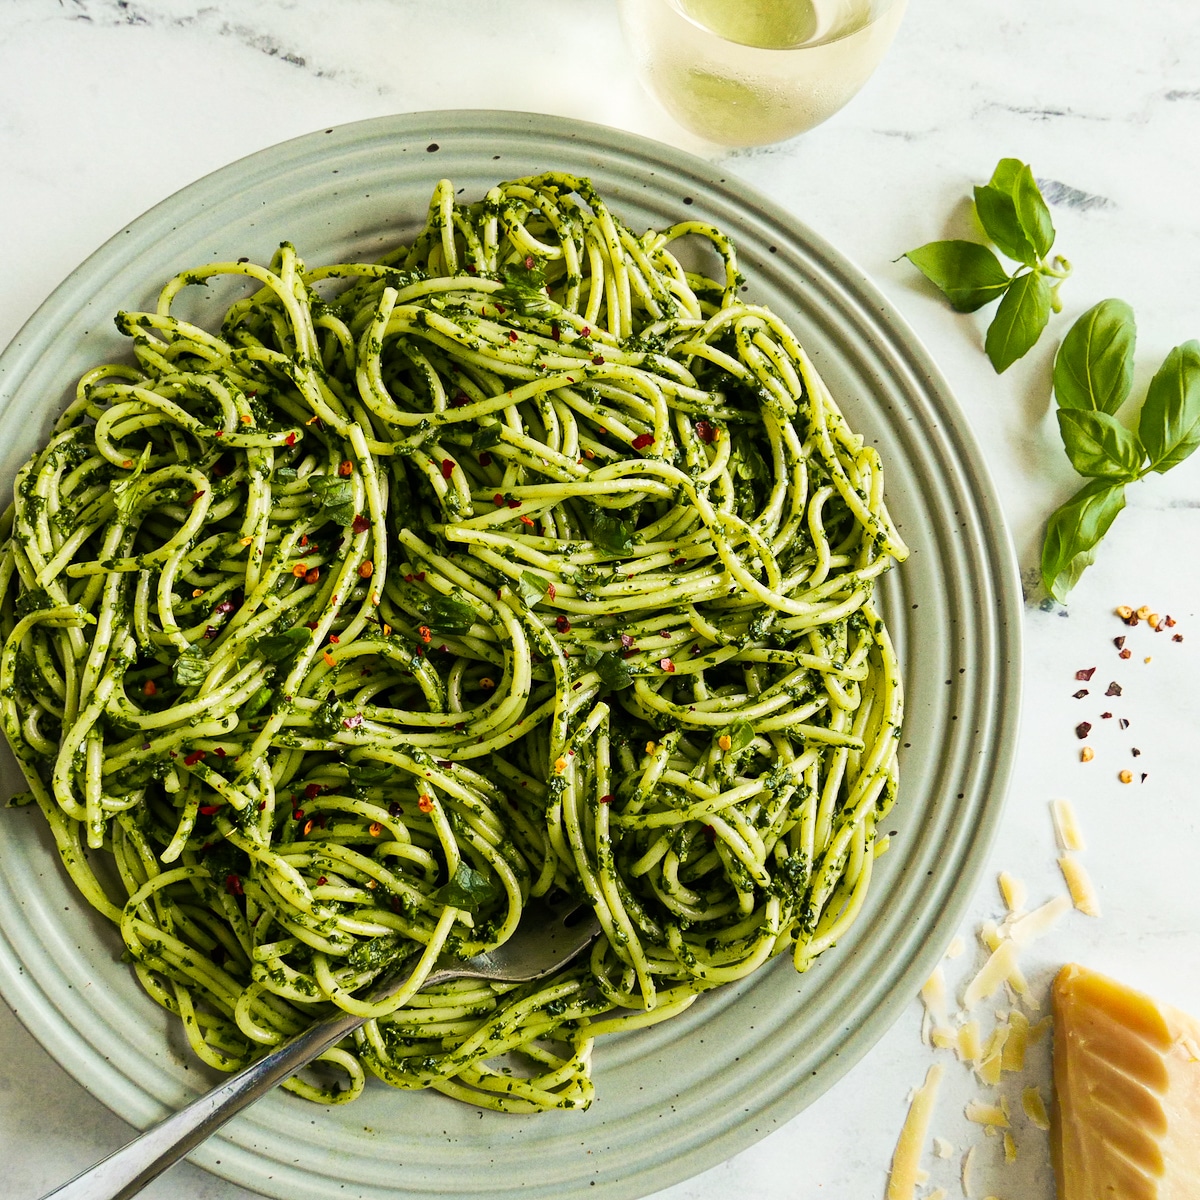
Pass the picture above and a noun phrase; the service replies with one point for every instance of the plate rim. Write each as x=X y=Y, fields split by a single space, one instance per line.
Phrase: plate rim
x=25 y=349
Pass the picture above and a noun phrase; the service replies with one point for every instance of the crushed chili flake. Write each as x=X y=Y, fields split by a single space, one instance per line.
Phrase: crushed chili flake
x=598 y=360
x=513 y=502
x=1125 y=776
x=512 y=335
x=208 y=810
x=1079 y=695
x=562 y=624
x=374 y=829
x=1119 y=642
x=360 y=524
x=1123 y=611
x=219 y=433
x=1085 y=675
x=149 y=688
x=329 y=660
x=345 y=467
x=1113 y=689
x=425 y=633
x=1169 y=621
x=190 y=760
x=642 y=441
x=197 y=593
x=487 y=682
x=233 y=885
x=353 y=722
x=1082 y=729
x=666 y=664
x=312 y=791
x=551 y=591
x=485 y=459
x=313 y=575
x=725 y=742
x=447 y=467
x=1106 y=716
x=707 y=432
x=1086 y=754
x=290 y=440
x=300 y=570
x=366 y=569
x=526 y=520
x=321 y=881
x=425 y=804
x=627 y=641
x=1178 y=637
x=498 y=500
x=1124 y=724
x=1126 y=654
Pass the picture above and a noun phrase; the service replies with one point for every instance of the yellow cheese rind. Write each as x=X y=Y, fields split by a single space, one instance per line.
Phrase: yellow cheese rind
x=1126 y=1116
x=906 y=1159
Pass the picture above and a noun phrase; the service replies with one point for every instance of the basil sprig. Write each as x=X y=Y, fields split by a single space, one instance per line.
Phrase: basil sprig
x=1014 y=215
x=1093 y=374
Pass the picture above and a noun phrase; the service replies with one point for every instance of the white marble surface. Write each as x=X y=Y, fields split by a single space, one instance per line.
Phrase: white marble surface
x=106 y=106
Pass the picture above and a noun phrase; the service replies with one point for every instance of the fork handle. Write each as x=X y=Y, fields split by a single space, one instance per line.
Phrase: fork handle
x=126 y=1171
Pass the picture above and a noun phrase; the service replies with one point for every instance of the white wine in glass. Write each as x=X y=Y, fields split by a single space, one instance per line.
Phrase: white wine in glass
x=749 y=72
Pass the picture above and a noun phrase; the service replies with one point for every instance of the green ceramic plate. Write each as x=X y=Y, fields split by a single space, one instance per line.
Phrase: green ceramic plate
x=685 y=1095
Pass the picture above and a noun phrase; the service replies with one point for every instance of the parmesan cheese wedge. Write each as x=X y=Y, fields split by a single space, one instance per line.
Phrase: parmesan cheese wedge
x=1126 y=1116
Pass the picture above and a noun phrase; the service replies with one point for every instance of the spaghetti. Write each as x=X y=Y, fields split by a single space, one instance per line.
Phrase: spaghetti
x=524 y=561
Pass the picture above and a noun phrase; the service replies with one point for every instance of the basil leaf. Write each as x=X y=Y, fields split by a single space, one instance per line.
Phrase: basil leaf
x=446 y=615
x=468 y=889
x=486 y=436
x=370 y=772
x=1073 y=532
x=614 y=534
x=740 y=735
x=281 y=646
x=256 y=703
x=1169 y=424
x=1094 y=365
x=532 y=588
x=967 y=274
x=997 y=213
x=335 y=497
x=613 y=670
x=1004 y=177
x=1032 y=212
x=191 y=668
x=284 y=475
x=524 y=288
x=1019 y=321
x=1098 y=445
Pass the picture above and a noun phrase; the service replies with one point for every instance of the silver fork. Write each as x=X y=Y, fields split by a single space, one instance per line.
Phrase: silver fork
x=546 y=939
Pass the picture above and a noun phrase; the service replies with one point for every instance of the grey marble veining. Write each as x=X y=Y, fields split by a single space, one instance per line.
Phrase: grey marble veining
x=107 y=106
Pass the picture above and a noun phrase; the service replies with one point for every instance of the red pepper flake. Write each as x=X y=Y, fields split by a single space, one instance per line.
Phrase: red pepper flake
x=664 y=633
x=551 y=591
x=345 y=467
x=1119 y=643
x=1178 y=637
x=190 y=760
x=329 y=660
x=1079 y=695
x=1169 y=621
x=195 y=496
x=1129 y=653
x=207 y=810
x=1085 y=675
x=262 y=806
x=1135 y=752
x=1106 y=716
x=679 y=562
x=498 y=500
x=642 y=441
x=513 y=502
x=707 y=432
x=666 y=664
x=321 y=881
x=290 y=440
x=1114 y=689
x=447 y=467
x=300 y=570
x=1082 y=730
x=308 y=827
x=298 y=814
x=562 y=624
x=586 y=331
x=597 y=360
x=149 y=688
x=425 y=633
x=360 y=524
x=333 y=637
x=366 y=569
x=526 y=520
x=233 y=885
x=485 y=459
x=555 y=331
x=353 y=722
x=220 y=433
x=313 y=575
x=312 y=791
x=1123 y=723
x=425 y=804
x=310 y=624
x=607 y=799
x=512 y=335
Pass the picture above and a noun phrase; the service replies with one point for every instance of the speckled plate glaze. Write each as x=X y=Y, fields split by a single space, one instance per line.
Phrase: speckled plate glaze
x=682 y=1096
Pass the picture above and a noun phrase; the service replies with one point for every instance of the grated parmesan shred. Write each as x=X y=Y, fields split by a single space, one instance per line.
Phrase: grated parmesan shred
x=1035 y=1107
x=1079 y=884
x=906 y=1159
x=1066 y=825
